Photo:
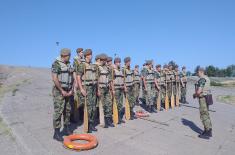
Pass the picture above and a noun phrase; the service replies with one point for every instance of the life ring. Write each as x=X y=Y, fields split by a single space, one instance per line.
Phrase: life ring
x=141 y=114
x=92 y=142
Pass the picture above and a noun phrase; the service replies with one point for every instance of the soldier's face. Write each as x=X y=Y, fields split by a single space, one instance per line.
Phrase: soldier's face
x=80 y=54
x=102 y=62
x=118 y=64
x=65 y=58
x=109 y=63
x=159 y=69
x=200 y=73
x=184 y=70
x=128 y=63
x=88 y=58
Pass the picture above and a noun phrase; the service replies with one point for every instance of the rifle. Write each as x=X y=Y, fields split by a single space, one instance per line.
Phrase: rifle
x=166 y=97
x=127 y=105
x=115 y=109
x=85 y=106
x=172 y=96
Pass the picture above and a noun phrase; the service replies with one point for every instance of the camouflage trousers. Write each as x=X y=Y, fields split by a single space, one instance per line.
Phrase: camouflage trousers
x=143 y=93
x=169 y=90
x=136 y=91
x=62 y=106
x=90 y=101
x=183 y=91
x=130 y=97
x=119 y=98
x=163 y=93
x=105 y=99
x=150 y=98
x=204 y=114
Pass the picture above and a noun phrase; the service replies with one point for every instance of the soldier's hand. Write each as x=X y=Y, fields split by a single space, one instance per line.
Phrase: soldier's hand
x=70 y=93
x=64 y=93
x=194 y=96
x=83 y=92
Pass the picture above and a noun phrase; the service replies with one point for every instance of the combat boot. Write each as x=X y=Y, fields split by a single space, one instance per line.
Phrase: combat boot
x=109 y=121
x=120 y=121
x=106 y=122
x=57 y=136
x=205 y=135
x=210 y=133
x=93 y=127
x=67 y=130
x=153 y=109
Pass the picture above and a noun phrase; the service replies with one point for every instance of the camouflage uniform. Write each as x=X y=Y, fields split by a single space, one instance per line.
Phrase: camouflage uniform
x=169 y=75
x=62 y=105
x=150 y=86
x=143 y=91
x=128 y=76
x=105 y=97
x=158 y=78
x=89 y=76
x=183 y=85
x=118 y=81
x=136 y=85
x=163 y=86
x=77 y=110
x=204 y=84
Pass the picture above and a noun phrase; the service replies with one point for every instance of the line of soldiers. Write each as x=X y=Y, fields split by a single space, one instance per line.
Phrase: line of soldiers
x=95 y=86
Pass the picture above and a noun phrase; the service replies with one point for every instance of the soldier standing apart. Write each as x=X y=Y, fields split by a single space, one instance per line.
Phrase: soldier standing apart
x=128 y=85
x=62 y=76
x=158 y=74
x=183 y=82
x=136 y=84
x=118 y=88
x=202 y=91
x=87 y=76
x=105 y=85
x=149 y=86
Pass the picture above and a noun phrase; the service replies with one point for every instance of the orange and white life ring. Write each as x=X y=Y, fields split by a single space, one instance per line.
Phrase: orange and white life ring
x=92 y=142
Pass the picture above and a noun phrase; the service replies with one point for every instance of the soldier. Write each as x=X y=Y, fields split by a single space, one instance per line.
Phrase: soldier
x=87 y=76
x=177 y=81
x=136 y=83
x=118 y=88
x=128 y=85
x=109 y=62
x=76 y=107
x=149 y=86
x=143 y=91
x=163 y=83
x=202 y=91
x=105 y=85
x=169 y=80
x=183 y=82
x=62 y=75
x=159 y=82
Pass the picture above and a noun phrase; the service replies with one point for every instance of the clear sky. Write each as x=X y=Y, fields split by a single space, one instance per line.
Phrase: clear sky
x=190 y=32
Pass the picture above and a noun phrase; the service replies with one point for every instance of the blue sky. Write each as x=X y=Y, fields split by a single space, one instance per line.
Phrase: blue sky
x=190 y=32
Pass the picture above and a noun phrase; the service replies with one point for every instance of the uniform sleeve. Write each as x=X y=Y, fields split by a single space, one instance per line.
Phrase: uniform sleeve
x=201 y=83
x=80 y=69
x=55 y=68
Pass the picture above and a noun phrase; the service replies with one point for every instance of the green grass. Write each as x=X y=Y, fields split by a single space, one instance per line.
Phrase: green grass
x=229 y=99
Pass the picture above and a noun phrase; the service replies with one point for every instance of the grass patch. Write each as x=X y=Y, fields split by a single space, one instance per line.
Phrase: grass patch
x=229 y=99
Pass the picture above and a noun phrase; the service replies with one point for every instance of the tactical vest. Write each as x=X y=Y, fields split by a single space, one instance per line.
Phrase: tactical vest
x=184 y=77
x=118 y=79
x=65 y=75
x=150 y=76
x=176 y=74
x=136 y=77
x=90 y=75
x=206 y=89
x=103 y=78
x=128 y=77
x=162 y=78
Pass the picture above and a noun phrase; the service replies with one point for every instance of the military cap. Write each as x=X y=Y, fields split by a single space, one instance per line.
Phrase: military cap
x=97 y=57
x=79 y=50
x=183 y=67
x=103 y=57
x=137 y=66
x=87 y=52
x=127 y=59
x=165 y=66
x=149 y=62
x=201 y=69
x=117 y=59
x=65 y=51
x=109 y=59
x=157 y=66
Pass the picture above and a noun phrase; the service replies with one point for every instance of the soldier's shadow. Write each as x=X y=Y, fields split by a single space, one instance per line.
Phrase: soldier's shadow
x=191 y=125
